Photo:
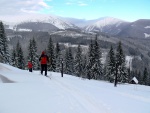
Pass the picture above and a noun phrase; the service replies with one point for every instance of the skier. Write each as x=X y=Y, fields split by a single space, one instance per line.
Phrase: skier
x=44 y=60
x=30 y=66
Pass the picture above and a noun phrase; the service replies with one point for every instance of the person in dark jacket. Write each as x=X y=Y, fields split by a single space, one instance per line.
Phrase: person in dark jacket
x=30 y=66
x=43 y=61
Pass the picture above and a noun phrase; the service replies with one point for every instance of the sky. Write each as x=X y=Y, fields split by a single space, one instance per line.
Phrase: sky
x=25 y=92
x=128 y=10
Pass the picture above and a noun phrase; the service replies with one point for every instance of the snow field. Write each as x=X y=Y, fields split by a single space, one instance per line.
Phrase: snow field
x=34 y=93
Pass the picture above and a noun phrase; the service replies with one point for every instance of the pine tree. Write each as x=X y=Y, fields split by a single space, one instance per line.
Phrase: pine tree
x=51 y=55
x=145 y=77
x=78 y=62
x=20 y=57
x=84 y=64
x=30 y=51
x=32 y=54
x=97 y=65
x=139 y=77
x=4 y=53
x=121 y=70
x=17 y=53
x=69 y=62
x=13 y=58
x=58 y=58
x=90 y=61
x=110 y=68
x=36 y=64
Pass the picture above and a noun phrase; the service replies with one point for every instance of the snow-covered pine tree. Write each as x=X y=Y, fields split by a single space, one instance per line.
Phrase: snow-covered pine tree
x=110 y=66
x=30 y=49
x=90 y=60
x=84 y=64
x=13 y=58
x=78 y=62
x=121 y=70
x=145 y=77
x=69 y=62
x=32 y=54
x=51 y=55
x=139 y=77
x=58 y=58
x=4 y=52
x=20 y=56
x=36 y=64
x=97 y=65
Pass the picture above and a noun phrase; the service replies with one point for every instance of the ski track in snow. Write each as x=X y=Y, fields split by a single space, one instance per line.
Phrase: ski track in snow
x=84 y=98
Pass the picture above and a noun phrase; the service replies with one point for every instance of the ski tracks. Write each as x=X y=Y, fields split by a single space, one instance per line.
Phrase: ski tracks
x=78 y=98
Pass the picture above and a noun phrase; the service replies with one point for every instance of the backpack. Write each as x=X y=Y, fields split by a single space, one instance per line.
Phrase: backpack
x=44 y=60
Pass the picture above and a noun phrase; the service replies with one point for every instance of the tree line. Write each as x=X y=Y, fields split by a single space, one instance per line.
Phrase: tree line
x=88 y=65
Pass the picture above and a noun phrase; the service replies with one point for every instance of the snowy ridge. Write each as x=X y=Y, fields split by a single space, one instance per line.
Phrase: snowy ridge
x=108 y=21
x=54 y=20
x=59 y=23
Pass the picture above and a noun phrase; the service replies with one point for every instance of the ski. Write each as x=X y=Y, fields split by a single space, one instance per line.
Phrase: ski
x=48 y=77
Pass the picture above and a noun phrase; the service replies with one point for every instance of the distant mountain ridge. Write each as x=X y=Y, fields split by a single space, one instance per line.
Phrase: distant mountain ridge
x=115 y=27
x=44 y=23
x=137 y=29
x=108 y=25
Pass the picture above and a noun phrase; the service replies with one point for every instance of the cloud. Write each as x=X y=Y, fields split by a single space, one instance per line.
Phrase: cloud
x=76 y=2
x=81 y=3
x=44 y=4
x=48 y=0
x=68 y=3
x=15 y=7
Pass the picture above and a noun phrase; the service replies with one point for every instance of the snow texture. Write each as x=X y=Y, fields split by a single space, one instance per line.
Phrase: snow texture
x=147 y=27
x=146 y=35
x=34 y=93
x=129 y=61
x=24 y=30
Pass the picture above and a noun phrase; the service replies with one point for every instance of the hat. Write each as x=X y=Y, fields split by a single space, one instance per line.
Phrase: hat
x=43 y=52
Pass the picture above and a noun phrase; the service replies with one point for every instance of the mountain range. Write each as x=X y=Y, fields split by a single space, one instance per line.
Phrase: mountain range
x=108 y=25
x=116 y=27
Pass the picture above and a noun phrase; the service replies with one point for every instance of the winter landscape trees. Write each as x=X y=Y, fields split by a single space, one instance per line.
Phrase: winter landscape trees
x=88 y=65
x=4 y=52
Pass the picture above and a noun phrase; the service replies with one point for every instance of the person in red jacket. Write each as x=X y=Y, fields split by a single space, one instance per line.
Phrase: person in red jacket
x=43 y=61
x=30 y=66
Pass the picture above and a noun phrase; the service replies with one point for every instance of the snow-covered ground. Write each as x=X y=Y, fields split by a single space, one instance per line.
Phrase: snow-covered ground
x=25 y=92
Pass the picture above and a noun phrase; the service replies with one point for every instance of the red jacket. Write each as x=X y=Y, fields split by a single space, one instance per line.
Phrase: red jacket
x=44 y=59
x=30 y=65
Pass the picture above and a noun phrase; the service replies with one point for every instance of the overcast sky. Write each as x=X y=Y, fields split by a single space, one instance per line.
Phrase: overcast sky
x=129 y=10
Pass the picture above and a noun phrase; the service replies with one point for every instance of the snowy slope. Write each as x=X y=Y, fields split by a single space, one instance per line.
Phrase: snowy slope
x=58 y=22
x=108 y=25
x=34 y=93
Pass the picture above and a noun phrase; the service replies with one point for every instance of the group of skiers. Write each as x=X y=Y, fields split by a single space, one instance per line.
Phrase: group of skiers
x=43 y=61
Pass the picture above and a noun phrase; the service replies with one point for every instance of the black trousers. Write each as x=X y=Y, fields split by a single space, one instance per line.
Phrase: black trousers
x=30 y=69
x=44 y=68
